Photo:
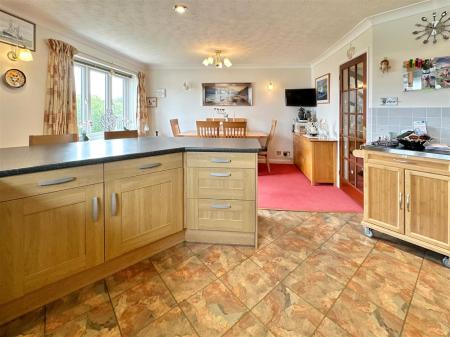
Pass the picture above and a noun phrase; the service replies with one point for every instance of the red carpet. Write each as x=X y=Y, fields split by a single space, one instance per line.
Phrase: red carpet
x=286 y=188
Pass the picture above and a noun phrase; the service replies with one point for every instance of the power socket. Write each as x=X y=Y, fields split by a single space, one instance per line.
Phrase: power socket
x=279 y=153
x=286 y=153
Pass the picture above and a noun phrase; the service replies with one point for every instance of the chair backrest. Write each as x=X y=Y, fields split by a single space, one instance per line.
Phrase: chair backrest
x=235 y=129
x=52 y=139
x=175 y=127
x=271 y=133
x=208 y=128
x=216 y=119
x=229 y=119
x=121 y=134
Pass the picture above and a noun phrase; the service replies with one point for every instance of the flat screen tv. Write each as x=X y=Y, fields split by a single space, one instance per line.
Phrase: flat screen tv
x=301 y=97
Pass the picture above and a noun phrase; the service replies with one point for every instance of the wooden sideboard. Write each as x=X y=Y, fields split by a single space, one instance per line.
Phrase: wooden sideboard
x=316 y=158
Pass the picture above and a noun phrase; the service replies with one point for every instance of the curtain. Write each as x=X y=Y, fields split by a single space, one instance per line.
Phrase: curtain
x=142 y=115
x=60 y=115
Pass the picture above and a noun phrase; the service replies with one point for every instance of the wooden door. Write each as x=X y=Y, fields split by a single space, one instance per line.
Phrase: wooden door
x=428 y=207
x=142 y=209
x=352 y=134
x=384 y=197
x=49 y=237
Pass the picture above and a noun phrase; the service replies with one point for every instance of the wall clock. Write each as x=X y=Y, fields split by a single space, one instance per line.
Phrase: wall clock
x=14 y=78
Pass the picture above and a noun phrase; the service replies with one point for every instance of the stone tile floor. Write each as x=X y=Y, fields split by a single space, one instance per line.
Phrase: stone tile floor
x=313 y=275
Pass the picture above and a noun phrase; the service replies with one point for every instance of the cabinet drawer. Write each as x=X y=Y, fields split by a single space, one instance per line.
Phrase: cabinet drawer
x=221 y=183
x=136 y=167
x=223 y=215
x=26 y=185
x=221 y=159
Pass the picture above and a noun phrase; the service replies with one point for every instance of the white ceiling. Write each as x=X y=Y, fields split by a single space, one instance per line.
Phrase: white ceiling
x=250 y=32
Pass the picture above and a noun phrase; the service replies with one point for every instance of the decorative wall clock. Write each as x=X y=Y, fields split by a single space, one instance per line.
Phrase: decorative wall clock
x=15 y=78
x=432 y=29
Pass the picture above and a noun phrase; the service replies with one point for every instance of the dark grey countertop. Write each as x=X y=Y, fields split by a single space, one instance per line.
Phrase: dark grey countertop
x=21 y=160
x=432 y=154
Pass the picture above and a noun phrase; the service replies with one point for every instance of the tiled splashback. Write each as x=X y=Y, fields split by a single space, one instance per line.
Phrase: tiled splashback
x=395 y=119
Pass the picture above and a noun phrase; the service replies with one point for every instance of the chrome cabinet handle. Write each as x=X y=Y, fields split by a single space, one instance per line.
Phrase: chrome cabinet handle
x=220 y=160
x=113 y=204
x=220 y=174
x=94 y=209
x=149 y=166
x=400 y=200
x=56 y=181
x=221 y=206
x=408 y=201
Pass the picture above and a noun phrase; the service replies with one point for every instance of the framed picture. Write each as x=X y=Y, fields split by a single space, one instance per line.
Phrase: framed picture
x=15 y=30
x=227 y=94
x=152 y=102
x=323 y=89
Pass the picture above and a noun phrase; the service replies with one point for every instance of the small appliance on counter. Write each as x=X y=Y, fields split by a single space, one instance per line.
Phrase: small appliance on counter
x=413 y=141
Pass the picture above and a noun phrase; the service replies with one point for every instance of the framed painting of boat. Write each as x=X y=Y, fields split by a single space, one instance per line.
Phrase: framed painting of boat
x=227 y=94
x=17 y=31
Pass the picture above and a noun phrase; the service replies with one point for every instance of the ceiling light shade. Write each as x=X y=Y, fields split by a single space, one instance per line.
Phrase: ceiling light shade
x=227 y=62
x=180 y=9
x=25 y=55
x=270 y=85
x=206 y=62
x=210 y=60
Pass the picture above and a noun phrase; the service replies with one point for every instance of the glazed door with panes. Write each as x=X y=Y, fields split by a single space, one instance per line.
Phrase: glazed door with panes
x=353 y=95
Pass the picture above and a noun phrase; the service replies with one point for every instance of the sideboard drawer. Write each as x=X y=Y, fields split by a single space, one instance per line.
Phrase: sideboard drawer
x=221 y=159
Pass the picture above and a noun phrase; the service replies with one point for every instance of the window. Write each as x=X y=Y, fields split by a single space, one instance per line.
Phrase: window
x=106 y=99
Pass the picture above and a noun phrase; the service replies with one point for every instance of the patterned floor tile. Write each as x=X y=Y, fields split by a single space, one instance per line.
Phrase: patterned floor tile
x=138 y=306
x=246 y=250
x=274 y=260
x=401 y=251
x=213 y=310
x=249 y=326
x=330 y=220
x=221 y=258
x=99 y=322
x=362 y=318
x=30 y=325
x=286 y=314
x=197 y=247
x=330 y=329
x=269 y=230
x=75 y=304
x=187 y=278
x=130 y=277
x=171 y=257
x=172 y=324
x=318 y=233
x=249 y=282
x=298 y=247
x=348 y=247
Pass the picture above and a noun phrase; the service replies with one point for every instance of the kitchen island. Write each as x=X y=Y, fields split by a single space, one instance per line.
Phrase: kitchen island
x=71 y=214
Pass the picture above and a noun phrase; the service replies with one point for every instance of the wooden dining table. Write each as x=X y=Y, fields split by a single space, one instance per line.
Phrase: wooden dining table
x=249 y=134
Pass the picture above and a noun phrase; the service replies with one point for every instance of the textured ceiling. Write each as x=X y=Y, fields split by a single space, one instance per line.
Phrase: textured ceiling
x=251 y=32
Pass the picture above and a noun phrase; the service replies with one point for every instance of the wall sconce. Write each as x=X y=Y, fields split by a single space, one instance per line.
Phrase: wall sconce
x=384 y=65
x=20 y=54
x=186 y=86
x=270 y=86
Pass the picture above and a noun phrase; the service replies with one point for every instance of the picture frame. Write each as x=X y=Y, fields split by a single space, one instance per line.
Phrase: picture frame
x=152 y=102
x=227 y=94
x=15 y=30
x=323 y=89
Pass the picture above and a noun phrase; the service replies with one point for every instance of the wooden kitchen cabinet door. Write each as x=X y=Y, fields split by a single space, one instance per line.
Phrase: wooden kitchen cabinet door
x=142 y=209
x=48 y=237
x=427 y=216
x=384 y=196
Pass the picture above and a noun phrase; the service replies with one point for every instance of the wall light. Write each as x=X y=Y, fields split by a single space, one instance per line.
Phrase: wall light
x=180 y=9
x=21 y=54
x=270 y=86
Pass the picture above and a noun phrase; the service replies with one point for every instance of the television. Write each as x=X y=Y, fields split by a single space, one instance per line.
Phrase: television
x=301 y=97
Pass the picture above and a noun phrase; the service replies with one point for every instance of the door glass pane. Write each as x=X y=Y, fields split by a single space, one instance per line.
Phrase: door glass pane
x=345 y=101
x=345 y=79
x=352 y=101
x=352 y=129
x=352 y=74
x=97 y=95
x=359 y=127
x=345 y=150
x=359 y=161
x=352 y=173
x=345 y=124
x=360 y=75
x=346 y=169
x=350 y=149
x=118 y=102
x=360 y=178
x=360 y=101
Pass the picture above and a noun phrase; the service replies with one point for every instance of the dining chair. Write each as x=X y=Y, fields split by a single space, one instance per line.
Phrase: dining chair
x=175 y=127
x=52 y=139
x=264 y=154
x=234 y=129
x=208 y=129
x=120 y=134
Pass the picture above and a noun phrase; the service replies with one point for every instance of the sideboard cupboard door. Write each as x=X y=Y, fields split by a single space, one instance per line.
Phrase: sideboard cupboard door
x=48 y=237
x=384 y=197
x=142 y=209
x=427 y=207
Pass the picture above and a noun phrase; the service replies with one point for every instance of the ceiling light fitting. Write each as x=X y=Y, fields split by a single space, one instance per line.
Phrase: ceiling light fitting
x=432 y=29
x=216 y=60
x=180 y=9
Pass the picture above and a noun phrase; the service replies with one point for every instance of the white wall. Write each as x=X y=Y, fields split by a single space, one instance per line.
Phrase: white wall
x=22 y=110
x=267 y=105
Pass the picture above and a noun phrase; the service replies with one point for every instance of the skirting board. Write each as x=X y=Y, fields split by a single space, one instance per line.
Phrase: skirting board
x=220 y=237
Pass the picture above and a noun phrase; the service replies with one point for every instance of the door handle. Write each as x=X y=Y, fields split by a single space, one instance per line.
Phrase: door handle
x=113 y=204
x=400 y=200
x=220 y=174
x=220 y=161
x=56 y=181
x=408 y=201
x=221 y=206
x=149 y=166
x=94 y=209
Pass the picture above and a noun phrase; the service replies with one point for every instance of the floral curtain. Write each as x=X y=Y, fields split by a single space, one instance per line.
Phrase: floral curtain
x=142 y=115
x=60 y=115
